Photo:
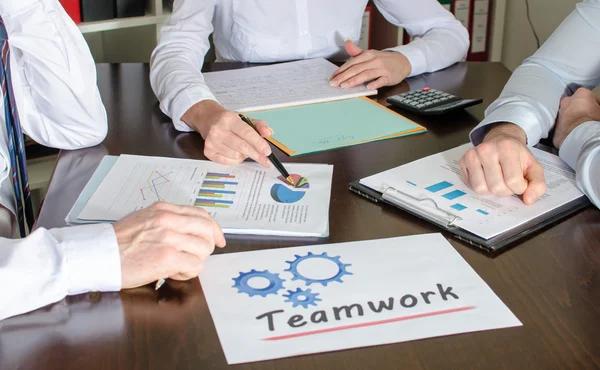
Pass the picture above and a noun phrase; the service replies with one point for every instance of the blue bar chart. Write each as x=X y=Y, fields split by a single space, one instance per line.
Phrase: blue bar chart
x=458 y=207
x=454 y=194
x=439 y=186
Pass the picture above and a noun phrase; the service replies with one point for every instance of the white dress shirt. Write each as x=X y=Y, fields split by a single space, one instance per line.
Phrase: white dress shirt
x=261 y=31
x=570 y=58
x=54 y=81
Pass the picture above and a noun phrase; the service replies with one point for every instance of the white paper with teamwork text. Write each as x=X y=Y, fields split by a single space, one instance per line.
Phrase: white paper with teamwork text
x=292 y=301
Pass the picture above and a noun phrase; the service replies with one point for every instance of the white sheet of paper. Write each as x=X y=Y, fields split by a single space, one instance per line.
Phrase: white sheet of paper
x=346 y=295
x=486 y=216
x=244 y=199
x=279 y=85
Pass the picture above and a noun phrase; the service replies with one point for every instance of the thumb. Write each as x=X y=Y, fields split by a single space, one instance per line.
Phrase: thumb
x=352 y=49
x=536 y=186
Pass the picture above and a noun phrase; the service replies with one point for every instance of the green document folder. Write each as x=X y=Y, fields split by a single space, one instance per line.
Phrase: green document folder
x=324 y=126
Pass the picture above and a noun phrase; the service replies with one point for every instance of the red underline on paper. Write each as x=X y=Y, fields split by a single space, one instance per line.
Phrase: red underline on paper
x=372 y=323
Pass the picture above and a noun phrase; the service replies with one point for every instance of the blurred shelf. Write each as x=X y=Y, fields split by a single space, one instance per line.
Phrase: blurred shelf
x=120 y=23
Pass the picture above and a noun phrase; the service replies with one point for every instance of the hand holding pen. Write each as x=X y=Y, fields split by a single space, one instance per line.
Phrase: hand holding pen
x=227 y=139
x=165 y=240
x=278 y=165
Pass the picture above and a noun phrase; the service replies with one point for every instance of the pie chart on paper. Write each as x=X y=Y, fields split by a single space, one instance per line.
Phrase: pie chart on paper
x=283 y=193
x=299 y=181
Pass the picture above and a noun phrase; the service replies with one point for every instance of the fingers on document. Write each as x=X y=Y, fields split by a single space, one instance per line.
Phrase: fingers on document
x=187 y=220
x=343 y=73
x=536 y=182
x=502 y=172
x=474 y=172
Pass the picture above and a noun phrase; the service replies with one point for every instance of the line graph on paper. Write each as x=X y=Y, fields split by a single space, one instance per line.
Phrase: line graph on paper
x=137 y=183
x=155 y=182
x=150 y=183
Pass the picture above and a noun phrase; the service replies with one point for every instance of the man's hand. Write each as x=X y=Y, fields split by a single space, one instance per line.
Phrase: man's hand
x=503 y=165
x=227 y=139
x=165 y=240
x=382 y=68
x=581 y=107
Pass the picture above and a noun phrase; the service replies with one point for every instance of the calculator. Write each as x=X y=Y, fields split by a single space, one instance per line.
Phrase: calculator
x=430 y=101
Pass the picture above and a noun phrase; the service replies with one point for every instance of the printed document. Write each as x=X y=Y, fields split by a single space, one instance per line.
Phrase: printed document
x=244 y=199
x=438 y=178
x=293 y=301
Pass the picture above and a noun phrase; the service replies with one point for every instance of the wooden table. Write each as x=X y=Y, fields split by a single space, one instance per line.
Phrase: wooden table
x=551 y=280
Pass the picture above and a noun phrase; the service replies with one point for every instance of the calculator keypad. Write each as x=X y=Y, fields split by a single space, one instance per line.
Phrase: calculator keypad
x=424 y=99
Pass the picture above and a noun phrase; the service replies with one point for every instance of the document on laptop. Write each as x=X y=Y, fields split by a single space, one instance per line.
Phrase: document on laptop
x=244 y=199
x=433 y=188
x=279 y=85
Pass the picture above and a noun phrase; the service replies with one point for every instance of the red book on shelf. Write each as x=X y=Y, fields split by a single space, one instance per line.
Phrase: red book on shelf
x=73 y=9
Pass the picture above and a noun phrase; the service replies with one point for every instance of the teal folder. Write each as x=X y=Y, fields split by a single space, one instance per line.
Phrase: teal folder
x=324 y=126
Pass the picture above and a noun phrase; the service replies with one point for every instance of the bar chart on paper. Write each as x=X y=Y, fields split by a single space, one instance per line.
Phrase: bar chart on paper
x=443 y=188
x=217 y=190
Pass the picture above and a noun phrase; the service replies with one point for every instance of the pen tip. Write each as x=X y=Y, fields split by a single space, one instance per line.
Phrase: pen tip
x=290 y=180
x=159 y=283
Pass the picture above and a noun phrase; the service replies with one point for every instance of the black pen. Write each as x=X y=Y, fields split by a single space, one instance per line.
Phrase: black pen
x=272 y=156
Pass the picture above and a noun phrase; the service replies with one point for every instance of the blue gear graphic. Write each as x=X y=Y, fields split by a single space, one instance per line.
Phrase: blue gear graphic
x=241 y=283
x=302 y=298
x=337 y=277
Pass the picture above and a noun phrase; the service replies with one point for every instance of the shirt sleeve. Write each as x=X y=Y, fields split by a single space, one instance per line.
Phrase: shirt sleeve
x=52 y=63
x=581 y=151
x=51 y=264
x=569 y=59
x=440 y=41
x=178 y=58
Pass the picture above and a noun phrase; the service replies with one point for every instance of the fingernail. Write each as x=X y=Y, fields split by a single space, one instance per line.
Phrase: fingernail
x=332 y=84
x=269 y=164
x=344 y=85
x=272 y=131
x=267 y=152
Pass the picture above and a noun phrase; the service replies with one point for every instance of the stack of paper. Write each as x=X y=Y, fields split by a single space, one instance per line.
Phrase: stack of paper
x=306 y=113
x=279 y=85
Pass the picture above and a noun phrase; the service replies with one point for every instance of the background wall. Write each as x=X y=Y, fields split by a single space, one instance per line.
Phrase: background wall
x=519 y=42
x=128 y=45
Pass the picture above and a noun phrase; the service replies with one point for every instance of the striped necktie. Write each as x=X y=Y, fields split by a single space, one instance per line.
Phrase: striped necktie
x=16 y=147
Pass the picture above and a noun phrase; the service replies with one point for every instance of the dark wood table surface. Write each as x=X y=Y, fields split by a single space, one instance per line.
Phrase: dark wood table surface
x=551 y=280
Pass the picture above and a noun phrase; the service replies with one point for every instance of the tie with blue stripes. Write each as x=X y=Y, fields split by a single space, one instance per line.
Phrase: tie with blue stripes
x=16 y=146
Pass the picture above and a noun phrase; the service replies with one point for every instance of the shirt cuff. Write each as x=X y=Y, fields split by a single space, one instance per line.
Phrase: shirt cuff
x=183 y=102
x=520 y=116
x=416 y=57
x=92 y=258
x=570 y=151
